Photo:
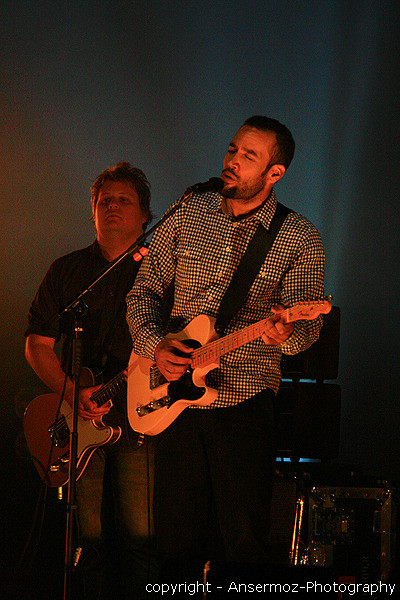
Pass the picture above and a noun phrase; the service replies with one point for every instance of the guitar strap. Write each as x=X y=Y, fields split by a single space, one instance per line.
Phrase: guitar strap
x=248 y=268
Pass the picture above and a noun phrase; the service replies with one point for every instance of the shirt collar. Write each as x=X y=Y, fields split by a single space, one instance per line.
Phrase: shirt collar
x=216 y=203
x=97 y=254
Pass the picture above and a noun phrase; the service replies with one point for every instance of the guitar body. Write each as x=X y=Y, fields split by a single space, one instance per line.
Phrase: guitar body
x=48 y=440
x=151 y=408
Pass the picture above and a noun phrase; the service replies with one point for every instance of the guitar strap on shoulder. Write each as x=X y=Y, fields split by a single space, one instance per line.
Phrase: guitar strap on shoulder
x=248 y=267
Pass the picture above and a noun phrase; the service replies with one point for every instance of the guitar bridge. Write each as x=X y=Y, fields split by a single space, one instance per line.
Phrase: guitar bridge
x=60 y=463
x=146 y=409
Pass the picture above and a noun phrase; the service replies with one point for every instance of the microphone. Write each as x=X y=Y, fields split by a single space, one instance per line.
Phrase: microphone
x=214 y=184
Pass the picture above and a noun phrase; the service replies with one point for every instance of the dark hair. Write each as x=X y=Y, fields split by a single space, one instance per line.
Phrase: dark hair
x=284 y=149
x=123 y=171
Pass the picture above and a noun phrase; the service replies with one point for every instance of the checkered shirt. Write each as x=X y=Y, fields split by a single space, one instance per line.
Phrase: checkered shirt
x=199 y=247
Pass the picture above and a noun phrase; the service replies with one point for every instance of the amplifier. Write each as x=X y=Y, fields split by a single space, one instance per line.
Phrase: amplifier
x=321 y=360
x=308 y=420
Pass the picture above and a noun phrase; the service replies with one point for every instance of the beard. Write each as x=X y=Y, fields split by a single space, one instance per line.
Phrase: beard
x=243 y=191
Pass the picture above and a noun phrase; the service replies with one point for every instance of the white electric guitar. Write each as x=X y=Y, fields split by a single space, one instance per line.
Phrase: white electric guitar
x=153 y=403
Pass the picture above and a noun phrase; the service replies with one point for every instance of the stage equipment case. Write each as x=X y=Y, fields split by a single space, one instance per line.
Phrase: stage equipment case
x=353 y=530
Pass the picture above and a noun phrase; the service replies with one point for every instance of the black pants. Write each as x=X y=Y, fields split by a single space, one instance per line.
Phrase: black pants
x=213 y=486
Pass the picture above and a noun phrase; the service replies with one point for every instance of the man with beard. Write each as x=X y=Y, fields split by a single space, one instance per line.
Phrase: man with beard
x=215 y=463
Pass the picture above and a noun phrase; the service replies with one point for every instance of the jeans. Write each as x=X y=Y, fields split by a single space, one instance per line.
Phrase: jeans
x=115 y=526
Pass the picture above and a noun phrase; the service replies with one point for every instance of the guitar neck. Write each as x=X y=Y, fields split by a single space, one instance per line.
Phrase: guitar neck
x=212 y=351
x=109 y=390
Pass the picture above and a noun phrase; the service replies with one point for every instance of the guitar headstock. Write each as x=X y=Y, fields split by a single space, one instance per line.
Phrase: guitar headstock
x=306 y=310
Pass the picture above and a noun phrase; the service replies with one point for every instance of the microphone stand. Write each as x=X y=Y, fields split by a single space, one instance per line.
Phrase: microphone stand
x=79 y=308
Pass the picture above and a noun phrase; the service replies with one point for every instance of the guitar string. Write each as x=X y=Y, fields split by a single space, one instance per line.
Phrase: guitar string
x=216 y=348
x=108 y=389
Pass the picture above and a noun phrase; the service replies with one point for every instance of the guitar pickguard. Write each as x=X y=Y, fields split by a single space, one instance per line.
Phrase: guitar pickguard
x=184 y=388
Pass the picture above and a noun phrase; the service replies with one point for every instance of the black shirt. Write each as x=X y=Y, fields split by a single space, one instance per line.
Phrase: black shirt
x=107 y=343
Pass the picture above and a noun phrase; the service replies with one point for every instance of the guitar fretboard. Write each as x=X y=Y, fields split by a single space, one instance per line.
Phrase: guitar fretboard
x=109 y=390
x=212 y=351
